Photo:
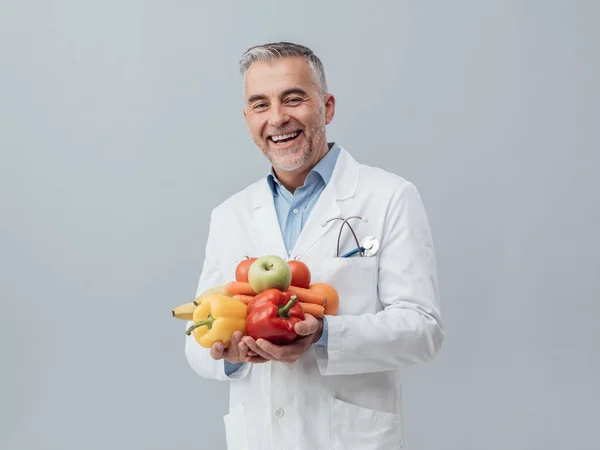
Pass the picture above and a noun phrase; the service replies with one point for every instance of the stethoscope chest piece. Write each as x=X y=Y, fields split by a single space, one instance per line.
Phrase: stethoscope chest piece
x=371 y=245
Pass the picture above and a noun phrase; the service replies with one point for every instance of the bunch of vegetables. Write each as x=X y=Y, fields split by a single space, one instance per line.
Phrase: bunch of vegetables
x=268 y=297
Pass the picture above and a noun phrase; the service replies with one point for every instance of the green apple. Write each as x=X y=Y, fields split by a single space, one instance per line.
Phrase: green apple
x=269 y=272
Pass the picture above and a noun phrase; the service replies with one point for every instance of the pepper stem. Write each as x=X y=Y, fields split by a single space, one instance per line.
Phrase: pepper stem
x=284 y=311
x=208 y=322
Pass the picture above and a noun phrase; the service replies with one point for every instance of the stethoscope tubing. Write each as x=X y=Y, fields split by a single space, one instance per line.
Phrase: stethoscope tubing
x=359 y=248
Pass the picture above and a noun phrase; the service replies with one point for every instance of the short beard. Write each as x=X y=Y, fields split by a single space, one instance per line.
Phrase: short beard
x=285 y=160
x=288 y=160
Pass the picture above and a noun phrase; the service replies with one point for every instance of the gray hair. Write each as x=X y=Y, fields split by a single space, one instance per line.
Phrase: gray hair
x=278 y=50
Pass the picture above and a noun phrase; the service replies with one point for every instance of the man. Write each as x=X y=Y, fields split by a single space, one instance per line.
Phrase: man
x=338 y=386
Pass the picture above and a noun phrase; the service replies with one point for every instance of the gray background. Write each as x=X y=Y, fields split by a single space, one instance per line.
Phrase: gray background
x=121 y=127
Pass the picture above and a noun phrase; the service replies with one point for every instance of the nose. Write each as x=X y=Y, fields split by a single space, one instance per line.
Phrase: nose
x=278 y=116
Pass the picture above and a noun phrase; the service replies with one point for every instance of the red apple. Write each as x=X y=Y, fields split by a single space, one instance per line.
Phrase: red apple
x=241 y=271
x=300 y=274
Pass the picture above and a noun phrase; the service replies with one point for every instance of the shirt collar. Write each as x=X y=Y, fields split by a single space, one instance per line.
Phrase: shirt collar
x=324 y=169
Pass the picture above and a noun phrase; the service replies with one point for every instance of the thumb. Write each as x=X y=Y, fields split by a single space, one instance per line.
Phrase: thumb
x=217 y=350
x=305 y=327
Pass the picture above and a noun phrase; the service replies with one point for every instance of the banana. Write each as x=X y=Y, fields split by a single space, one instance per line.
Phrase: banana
x=185 y=311
x=217 y=290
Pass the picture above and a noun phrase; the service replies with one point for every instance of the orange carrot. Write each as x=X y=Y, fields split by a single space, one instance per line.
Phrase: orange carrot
x=239 y=288
x=306 y=296
x=313 y=309
x=244 y=298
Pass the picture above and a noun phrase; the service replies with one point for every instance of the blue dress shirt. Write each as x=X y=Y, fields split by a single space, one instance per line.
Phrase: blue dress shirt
x=294 y=209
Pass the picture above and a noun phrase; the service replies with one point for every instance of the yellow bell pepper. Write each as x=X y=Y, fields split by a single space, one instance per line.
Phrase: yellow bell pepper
x=216 y=319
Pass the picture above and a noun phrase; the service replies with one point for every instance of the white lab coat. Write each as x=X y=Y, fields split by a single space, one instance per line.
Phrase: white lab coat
x=346 y=395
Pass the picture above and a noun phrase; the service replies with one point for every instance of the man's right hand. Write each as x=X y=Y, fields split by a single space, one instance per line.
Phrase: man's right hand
x=237 y=352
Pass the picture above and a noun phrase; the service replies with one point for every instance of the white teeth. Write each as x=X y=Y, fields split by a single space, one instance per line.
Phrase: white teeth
x=285 y=136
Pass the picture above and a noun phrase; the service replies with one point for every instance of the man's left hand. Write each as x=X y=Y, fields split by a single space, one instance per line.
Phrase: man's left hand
x=309 y=331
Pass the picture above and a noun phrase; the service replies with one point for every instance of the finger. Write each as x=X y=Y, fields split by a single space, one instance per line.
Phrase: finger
x=287 y=353
x=307 y=326
x=216 y=351
x=253 y=347
x=251 y=343
x=275 y=351
x=255 y=359
x=243 y=350
x=233 y=353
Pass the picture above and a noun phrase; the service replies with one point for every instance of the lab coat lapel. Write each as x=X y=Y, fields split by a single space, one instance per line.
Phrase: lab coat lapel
x=317 y=224
x=341 y=187
x=269 y=240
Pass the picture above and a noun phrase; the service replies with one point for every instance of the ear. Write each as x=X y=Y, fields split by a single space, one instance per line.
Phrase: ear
x=329 y=108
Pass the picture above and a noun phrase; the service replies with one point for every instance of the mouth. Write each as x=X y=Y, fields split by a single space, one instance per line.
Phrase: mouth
x=281 y=140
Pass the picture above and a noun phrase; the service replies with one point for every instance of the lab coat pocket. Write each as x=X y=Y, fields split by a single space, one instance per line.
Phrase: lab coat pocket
x=355 y=279
x=235 y=428
x=356 y=427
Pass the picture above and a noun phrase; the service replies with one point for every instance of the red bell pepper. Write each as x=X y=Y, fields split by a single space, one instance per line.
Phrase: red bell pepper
x=272 y=316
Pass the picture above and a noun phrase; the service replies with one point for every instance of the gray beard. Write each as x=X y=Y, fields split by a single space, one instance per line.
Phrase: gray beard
x=288 y=160
x=283 y=161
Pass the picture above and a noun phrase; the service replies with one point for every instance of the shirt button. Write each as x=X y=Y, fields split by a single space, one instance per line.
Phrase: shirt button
x=295 y=210
x=279 y=412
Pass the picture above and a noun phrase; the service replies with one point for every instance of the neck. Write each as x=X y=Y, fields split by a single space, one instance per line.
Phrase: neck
x=293 y=180
x=296 y=178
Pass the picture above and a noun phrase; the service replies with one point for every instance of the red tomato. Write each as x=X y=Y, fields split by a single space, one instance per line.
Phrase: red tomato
x=241 y=271
x=300 y=274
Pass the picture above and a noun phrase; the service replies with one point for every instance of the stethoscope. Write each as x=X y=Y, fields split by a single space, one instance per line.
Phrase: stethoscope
x=368 y=246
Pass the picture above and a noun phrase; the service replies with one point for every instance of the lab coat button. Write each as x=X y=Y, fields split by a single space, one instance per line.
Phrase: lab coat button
x=295 y=210
x=279 y=412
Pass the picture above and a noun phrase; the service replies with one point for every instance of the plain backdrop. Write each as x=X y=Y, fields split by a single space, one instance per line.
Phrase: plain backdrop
x=121 y=127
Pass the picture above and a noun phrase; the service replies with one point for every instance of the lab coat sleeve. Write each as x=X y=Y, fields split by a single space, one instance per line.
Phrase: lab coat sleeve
x=199 y=357
x=409 y=329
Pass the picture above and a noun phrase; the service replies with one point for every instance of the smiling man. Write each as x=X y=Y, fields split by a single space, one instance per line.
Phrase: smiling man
x=338 y=384
x=287 y=110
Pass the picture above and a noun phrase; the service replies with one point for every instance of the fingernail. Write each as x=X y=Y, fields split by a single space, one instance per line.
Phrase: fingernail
x=300 y=329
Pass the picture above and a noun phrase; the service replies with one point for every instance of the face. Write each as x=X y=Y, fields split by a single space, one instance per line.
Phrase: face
x=285 y=113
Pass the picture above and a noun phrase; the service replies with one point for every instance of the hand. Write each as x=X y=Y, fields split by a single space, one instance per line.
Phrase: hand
x=310 y=330
x=235 y=353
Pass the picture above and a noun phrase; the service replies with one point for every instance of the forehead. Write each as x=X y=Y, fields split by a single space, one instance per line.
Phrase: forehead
x=272 y=77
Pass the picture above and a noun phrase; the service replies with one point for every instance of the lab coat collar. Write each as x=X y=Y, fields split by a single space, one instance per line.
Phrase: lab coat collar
x=343 y=184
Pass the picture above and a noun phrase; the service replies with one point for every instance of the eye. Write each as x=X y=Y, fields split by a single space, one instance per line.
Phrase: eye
x=259 y=106
x=294 y=100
